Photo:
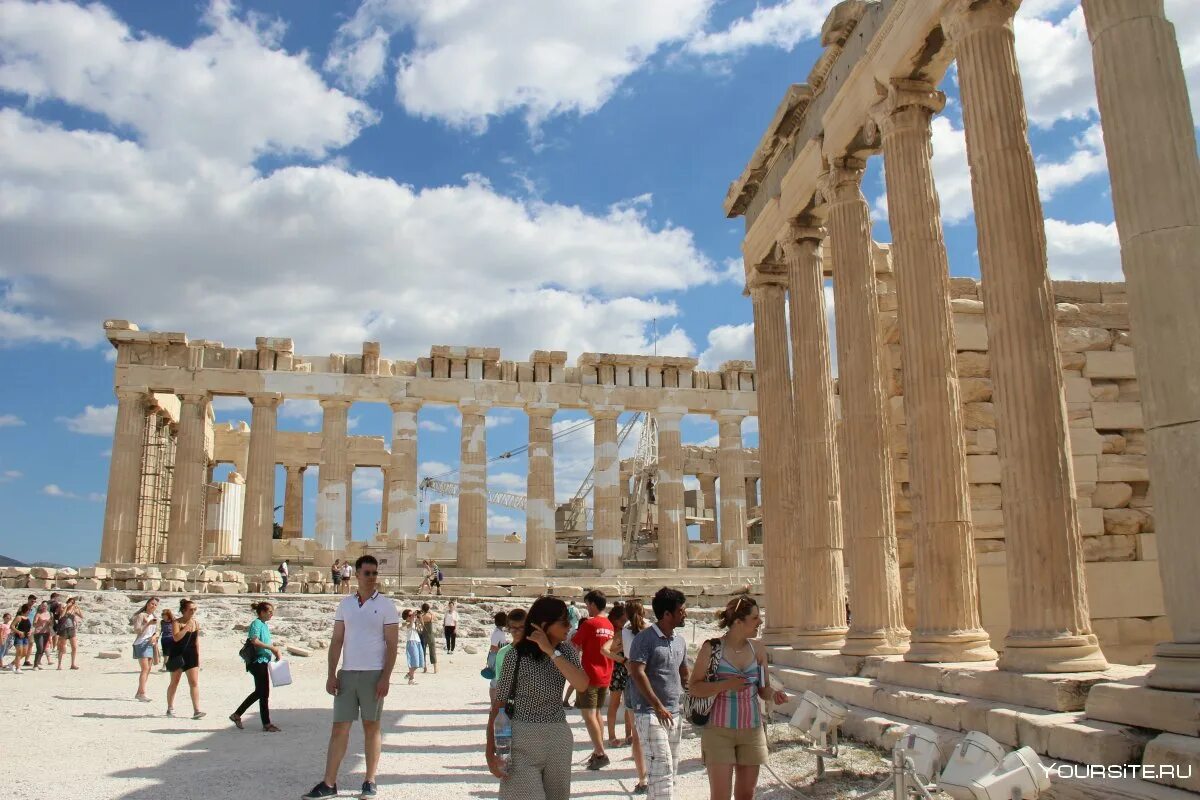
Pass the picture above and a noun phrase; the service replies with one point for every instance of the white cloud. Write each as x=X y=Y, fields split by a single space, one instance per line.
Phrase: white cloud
x=1086 y=161
x=430 y=425
x=951 y=173
x=474 y=60
x=373 y=494
x=93 y=421
x=10 y=475
x=1089 y=251
x=10 y=421
x=430 y=469
x=521 y=272
x=728 y=343
x=96 y=497
x=232 y=93
x=507 y=482
x=781 y=25
x=53 y=490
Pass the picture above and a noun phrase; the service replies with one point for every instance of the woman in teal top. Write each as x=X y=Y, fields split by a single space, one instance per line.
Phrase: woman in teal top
x=260 y=636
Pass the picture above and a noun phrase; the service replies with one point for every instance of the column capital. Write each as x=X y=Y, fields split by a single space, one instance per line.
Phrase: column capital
x=907 y=104
x=194 y=398
x=961 y=18
x=409 y=404
x=335 y=402
x=671 y=412
x=805 y=231
x=606 y=411
x=730 y=414
x=296 y=468
x=842 y=182
x=472 y=407
x=1101 y=15
x=540 y=409
x=766 y=275
x=131 y=392
x=265 y=400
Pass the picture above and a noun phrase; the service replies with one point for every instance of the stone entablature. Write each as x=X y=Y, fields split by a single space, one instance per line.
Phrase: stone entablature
x=295 y=448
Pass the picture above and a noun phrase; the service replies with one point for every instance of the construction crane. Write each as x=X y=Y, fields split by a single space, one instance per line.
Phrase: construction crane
x=452 y=489
x=576 y=504
x=637 y=526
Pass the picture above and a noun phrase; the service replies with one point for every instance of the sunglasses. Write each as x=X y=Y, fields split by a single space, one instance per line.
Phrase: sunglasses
x=367 y=574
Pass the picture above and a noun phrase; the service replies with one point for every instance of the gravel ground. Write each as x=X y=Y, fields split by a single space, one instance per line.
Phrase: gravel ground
x=101 y=744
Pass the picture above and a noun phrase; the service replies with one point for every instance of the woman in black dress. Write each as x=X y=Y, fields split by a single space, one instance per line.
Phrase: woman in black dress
x=184 y=658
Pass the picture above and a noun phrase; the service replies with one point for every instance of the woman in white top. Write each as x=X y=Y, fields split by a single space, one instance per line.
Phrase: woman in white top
x=145 y=629
x=347 y=574
x=450 y=626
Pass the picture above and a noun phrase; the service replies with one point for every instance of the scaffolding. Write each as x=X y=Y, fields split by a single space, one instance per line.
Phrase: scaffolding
x=154 y=493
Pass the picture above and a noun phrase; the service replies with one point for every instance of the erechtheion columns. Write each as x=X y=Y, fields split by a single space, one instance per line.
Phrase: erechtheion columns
x=995 y=453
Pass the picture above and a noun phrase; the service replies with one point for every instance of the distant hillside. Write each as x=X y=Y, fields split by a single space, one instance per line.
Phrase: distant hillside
x=5 y=561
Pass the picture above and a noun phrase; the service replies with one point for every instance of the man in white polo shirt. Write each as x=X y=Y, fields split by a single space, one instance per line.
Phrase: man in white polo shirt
x=366 y=630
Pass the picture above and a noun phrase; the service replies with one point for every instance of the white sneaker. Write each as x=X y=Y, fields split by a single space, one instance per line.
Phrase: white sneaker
x=170 y=712
x=141 y=698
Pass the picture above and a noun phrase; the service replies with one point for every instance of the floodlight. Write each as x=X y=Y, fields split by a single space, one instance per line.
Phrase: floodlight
x=979 y=770
x=818 y=718
x=806 y=712
x=919 y=746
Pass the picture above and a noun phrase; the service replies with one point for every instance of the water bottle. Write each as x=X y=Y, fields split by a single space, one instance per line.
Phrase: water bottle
x=503 y=733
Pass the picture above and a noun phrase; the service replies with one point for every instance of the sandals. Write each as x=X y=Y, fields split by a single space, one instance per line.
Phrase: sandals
x=199 y=715
x=271 y=728
x=237 y=722
x=614 y=743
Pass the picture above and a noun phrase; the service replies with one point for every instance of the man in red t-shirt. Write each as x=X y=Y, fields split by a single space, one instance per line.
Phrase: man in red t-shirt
x=594 y=632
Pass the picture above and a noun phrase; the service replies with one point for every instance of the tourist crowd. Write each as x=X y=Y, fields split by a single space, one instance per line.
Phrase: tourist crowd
x=38 y=630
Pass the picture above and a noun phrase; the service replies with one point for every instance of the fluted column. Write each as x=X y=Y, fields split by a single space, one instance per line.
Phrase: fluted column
x=472 y=498
x=865 y=468
x=735 y=551
x=1151 y=145
x=186 y=531
x=293 y=502
x=118 y=542
x=672 y=532
x=822 y=623
x=947 y=595
x=606 y=528
x=1049 y=626
x=258 y=514
x=383 y=505
x=333 y=490
x=400 y=487
x=350 y=467
x=767 y=285
x=708 y=493
x=539 y=509
x=752 y=500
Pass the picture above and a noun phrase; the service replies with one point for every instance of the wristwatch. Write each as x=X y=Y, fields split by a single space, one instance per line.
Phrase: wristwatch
x=555 y=655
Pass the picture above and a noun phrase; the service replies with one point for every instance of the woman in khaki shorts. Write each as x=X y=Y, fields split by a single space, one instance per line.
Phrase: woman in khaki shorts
x=734 y=743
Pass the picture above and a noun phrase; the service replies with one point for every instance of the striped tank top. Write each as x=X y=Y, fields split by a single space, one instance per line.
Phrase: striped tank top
x=737 y=709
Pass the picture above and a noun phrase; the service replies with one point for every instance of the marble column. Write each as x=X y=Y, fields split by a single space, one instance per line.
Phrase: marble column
x=258 y=514
x=1050 y=630
x=735 y=550
x=606 y=529
x=822 y=623
x=752 y=492
x=118 y=542
x=401 y=477
x=948 y=625
x=708 y=495
x=539 y=511
x=768 y=288
x=333 y=489
x=186 y=528
x=472 y=498
x=865 y=468
x=293 y=502
x=350 y=467
x=672 y=532
x=386 y=474
x=1150 y=140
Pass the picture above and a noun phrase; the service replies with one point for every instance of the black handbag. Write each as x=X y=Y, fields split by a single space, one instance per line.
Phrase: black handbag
x=698 y=709
x=510 y=705
x=248 y=652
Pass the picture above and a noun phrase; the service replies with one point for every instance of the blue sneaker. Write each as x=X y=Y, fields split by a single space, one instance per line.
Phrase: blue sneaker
x=368 y=791
x=319 y=791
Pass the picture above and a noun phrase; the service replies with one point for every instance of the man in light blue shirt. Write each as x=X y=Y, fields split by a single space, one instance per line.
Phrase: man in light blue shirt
x=658 y=671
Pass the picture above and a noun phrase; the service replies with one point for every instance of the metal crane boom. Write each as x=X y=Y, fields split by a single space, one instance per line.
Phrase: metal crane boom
x=452 y=489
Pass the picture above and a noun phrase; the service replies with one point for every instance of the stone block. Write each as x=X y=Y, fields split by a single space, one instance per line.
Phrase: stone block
x=1127 y=468
x=1109 y=548
x=43 y=573
x=974 y=390
x=1085 y=442
x=1131 y=702
x=1109 y=364
x=111 y=655
x=1113 y=443
x=174 y=574
x=224 y=587
x=983 y=469
x=99 y=573
x=63 y=582
x=1091 y=522
x=1118 y=416
x=173 y=586
x=970 y=332
x=39 y=583
x=1114 y=316
x=231 y=576
x=1112 y=495
x=1105 y=391
x=1077 y=390
x=1119 y=589
x=985 y=496
x=153 y=573
x=149 y=584
x=981 y=441
x=1076 y=340
x=978 y=415
x=987 y=524
x=1126 y=521
x=89 y=584
x=1085 y=469
x=299 y=652
x=1177 y=759
x=1076 y=291
x=1147 y=547
x=973 y=364
x=1072 y=363
x=295 y=587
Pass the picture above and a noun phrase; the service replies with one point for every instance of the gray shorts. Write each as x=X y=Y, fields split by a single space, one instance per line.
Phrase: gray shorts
x=356 y=696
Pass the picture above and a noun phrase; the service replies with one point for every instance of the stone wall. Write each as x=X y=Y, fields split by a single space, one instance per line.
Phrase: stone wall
x=1108 y=452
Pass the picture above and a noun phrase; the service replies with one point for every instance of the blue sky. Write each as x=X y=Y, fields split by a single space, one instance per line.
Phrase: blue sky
x=527 y=174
